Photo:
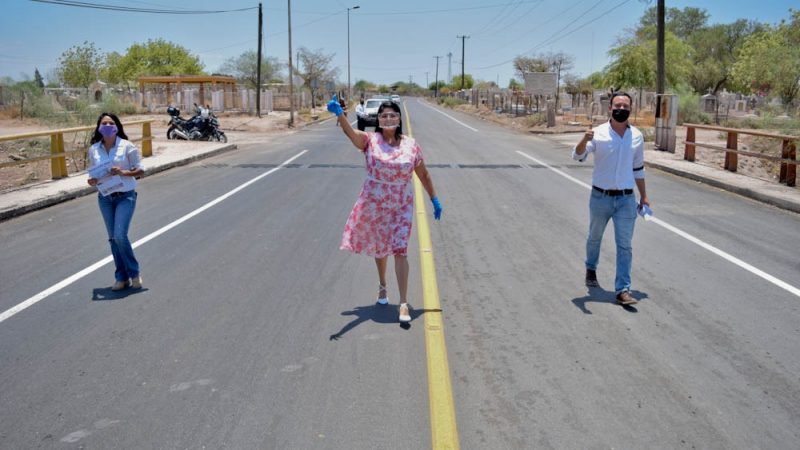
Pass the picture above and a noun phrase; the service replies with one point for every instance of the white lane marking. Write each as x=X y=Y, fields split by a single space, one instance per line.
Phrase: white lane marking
x=77 y=276
x=447 y=115
x=727 y=256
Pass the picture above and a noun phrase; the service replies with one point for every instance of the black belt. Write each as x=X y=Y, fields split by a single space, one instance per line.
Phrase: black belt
x=119 y=194
x=613 y=192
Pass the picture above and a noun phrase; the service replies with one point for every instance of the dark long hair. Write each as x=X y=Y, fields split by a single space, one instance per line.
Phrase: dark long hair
x=398 y=132
x=97 y=137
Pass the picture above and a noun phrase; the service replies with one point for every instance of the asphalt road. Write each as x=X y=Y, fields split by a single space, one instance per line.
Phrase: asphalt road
x=255 y=331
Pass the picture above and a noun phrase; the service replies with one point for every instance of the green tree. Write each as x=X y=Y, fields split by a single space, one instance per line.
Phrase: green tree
x=245 y=68
x=680 y=22
x=80 y=65
x=155 y=57
x=363 y=86
x=715 y=49
x=634 y=64
x=769 y=61
x=433 y=85
x=456 y=82
x=316 y=67
x=37 y=78
x=515 y=85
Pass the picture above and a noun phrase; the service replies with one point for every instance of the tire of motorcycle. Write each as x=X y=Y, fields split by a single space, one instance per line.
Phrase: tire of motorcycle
x=222 y=138
x=169 y=131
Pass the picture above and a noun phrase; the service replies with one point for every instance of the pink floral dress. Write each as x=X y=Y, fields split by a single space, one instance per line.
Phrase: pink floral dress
x=380 y=223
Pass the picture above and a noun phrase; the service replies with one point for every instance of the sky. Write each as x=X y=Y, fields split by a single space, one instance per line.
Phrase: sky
x=389 y=41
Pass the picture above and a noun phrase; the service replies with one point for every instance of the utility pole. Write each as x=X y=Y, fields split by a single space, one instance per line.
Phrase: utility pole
x=436 y=86
x=660 y=50
x=291 y=72
x=449 y=67
x=349 y=93
x=258 y=77
x=462 y=58
x=427 y=83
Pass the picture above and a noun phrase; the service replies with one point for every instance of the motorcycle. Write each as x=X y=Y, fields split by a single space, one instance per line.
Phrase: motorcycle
x=203 y=126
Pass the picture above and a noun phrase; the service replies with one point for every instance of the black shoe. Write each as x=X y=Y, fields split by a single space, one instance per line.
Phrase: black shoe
x=591 y=278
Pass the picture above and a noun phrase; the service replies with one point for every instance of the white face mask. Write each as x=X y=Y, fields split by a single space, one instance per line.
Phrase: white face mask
x=390 y=122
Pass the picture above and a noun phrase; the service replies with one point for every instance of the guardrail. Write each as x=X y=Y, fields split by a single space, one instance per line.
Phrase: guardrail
x=58 y=157
x=788 y=158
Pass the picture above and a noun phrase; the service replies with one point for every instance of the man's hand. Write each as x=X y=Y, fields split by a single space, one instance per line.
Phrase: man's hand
x=588 y=136
x=92 y=181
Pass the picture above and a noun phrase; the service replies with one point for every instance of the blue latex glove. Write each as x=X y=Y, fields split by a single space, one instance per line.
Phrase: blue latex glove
x=335 y=107
x=437 y=208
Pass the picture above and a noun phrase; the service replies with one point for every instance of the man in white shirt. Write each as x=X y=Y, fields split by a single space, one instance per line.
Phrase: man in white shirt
x=361 y=114
x=618 y=164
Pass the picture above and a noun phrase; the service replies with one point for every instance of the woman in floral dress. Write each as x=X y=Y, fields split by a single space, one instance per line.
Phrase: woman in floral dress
x=380 y=223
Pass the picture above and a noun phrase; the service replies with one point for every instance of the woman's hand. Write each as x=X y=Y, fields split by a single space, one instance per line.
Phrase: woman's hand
x=335 y=107
x=437 y=208
x=92 y=181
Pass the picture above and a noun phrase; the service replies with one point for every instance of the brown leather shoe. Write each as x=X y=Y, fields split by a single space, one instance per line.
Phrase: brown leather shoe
x=591 y=278
x=120 y=285
x=625 y=298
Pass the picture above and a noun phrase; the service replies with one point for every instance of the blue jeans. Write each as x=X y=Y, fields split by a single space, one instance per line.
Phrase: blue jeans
x=117 y=210
x=622 y=210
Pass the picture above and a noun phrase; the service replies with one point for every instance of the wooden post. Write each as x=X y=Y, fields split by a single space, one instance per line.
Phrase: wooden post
x=147 y=140
x=788 y=171
x=731 y=158
x=688 y=153
x=58 y=165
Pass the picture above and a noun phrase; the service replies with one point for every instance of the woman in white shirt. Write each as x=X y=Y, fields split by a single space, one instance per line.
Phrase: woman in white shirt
x=114 y=164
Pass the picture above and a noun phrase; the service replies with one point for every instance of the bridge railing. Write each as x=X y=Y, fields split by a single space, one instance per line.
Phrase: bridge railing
x=788 y=158
x=58 y=155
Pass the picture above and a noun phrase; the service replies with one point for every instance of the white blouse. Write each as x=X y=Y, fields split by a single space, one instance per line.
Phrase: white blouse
x=124 y=154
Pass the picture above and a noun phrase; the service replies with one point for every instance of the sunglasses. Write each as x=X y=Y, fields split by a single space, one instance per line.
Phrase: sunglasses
x=389 y=116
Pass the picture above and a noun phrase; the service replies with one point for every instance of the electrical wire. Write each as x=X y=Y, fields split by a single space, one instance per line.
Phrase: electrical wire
x=555 y=36
x=137 y=10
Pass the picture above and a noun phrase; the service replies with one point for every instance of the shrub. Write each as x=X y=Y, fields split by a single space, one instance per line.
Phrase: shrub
x=450 y=102
x=689 y=107
x=535 y=120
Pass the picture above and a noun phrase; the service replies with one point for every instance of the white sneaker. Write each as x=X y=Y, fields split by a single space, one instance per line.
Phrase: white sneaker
x=405 y=316
x=382 y=298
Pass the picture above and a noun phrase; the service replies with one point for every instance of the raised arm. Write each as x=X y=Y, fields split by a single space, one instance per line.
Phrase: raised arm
x=357 y=137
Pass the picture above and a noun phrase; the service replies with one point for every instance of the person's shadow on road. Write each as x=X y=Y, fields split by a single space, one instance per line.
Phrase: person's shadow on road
x=600 y=295
x=380 y=314
x=104 y=294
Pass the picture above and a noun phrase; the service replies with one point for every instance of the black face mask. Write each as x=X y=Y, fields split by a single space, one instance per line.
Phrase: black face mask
x=620 y=115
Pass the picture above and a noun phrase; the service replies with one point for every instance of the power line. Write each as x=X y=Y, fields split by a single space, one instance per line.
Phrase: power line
x=137 y=10
x=555 y=37
x=433 y=11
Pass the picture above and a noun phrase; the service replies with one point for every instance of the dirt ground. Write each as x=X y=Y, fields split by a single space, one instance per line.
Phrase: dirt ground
x=239 y=128
x=571 y=123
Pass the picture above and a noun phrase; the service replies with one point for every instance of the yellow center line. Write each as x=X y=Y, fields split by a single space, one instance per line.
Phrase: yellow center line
x=444 y=433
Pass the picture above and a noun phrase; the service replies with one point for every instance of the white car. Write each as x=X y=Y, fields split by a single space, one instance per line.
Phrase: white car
x=395 y=98
x=370 y=118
